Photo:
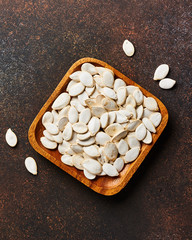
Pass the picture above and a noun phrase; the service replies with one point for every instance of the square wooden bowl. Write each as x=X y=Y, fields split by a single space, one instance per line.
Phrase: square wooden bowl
x=104 y=185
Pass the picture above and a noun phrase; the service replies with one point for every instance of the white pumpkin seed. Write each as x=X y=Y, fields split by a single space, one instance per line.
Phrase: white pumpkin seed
x=31 y=165
x=131 y=101
x=112 y=117
x=167 y=83
x=119 y=136
x=88 y=67
x=104 y=120
x=102 y=174
x=132 y=154
x=151 y=104
x=139 y=111
x=133 y=142
x=82 y=97
x=120 y=118
x=138 y=95
x=128 y=48
x=95 y=93
x=131 y=110
x=76 y=89
x=119 y=164
x=121 y=95
x=131 y=89
x=77 y=148
x=48 y=135
x=109 y=104
x=122 y=147
x=92 y=166
x=75 y=103
x=85 y=115
x=64 y=112
x=113 y=129
x=133 y=124
x=110 y=170
x=11 y=138
x=161 y=72
x=75 y=75
x=108 y=79
x=110 y=151
x=68 y=132
x=86 y=79
x=58 y=138
x=90 y=102
x=84 y=136
x=101 y=70
x=80 y=127
x=52 y=128
x=92 y=151
x=155 y=118
x=94 y=126
x=126 y=113
x=77 y=161
x=47 y=117
x=61 y=101
x=108 y=92
x=149 y=125
x=73 y=115
x=148 y=138
x=62 y=123
x=70 y=84
x=55 y=117
x=67 y=159
x=147 y=113
x=97 y=111
x=90 y=90
x=89 y=175
x=140 y=132
x=99 y=80
x=47 y=143
x=87 y=142
x=62 y=147
x=102 y=138
x=119 y=83
x=69 y=151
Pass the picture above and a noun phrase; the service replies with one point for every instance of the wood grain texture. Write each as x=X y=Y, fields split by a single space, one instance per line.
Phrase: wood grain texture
x=104 y=185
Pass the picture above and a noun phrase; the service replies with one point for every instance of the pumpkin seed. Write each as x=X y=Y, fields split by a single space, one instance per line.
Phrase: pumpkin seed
x=97 y=111
x=133 y=124
x=131 y=101
x=47 y=143
x=113 y=129
x=139 y=111
x=102 y=138
x=67 y=159
x=138 y=95
x=121 y=95
x=108 y=92
x=119 y=83
x=88 y=67
x=82 y=97
x=149 y=125
x=77 y=161
x=109 y=104
x=86 y=142
x=147 y=113
x=92 y=166
x=112 y=117
x=90 y=90
x=73 y=115
x=76 y=89
x=89 y=175
x=31 y=165
x=110 y=170
x=52 y=128
x=86 y=79
x=94 y=125
x=155 y=119
x=161 y=72
x=104 y=120
x=140 y=132
x=128 y=48
x=108 y=79
x=151 y=104
x=122 y=147
x=80 y=127
x=70 y=84
x=75 y=103
x=132 y=154
x=148 y=138
x=120 y=118
x=119 y=135
x=110 y=151
x=133 y=142
x=48 y=135
x=47 y=117
x=64 y=112
x=119 y=164
x=77 y=148
x=62 y=123
x=63 y=146
x=61 y=101
x=131 y=89
x=131 y=110
x=11 y=138
x=99 y=80
x=85 y=115
x=92 y=151
x=167 y=83
x=84 y=136
x=68 y=132
x=75 y=76
x=58 y=138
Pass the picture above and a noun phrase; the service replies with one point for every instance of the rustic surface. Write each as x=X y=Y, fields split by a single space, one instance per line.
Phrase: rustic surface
x=39 y=42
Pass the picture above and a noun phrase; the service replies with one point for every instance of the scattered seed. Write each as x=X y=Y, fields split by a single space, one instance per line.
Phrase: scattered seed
x=31 y=165
x=128 y=48
x=167 y=83
x=161 y=72
x=11 y=138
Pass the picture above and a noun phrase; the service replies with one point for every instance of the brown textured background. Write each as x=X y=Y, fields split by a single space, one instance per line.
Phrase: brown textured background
x=39 y=42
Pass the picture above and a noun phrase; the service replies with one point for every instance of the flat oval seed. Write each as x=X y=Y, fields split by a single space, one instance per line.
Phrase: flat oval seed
x=148 y=138
x=131 y=89
x=108 y=79
x=132 y=154
x=104 y=120
x=92 y=166
x=80 y=127
x=139 y=112
x=121 y=95
x=110 y=170
x=90 y=90
x=67 y=159
x=64 y=112
x=151 y=104
x=70 y=84
x=88 y=67
x=128 y=48
x=138 y=95
x=47 y=143
x=147 y=113
x=92 y=151
x=112 y=117
x=140 y=132
x=58 y=138
x=62 y=123
x=120 y=118
x=84 y=136
x=55 y=117
x=108 y=92
x=119 y=164
x=110 y=151
x=48 y=135
x=76 y=89
x=62 y=147
x=75 y=76
x=11 y=138
x=118 y=83
x=73 y=115
x=161 y=72
x=133 y=124
x=155 y=119
x=122 y=147
x=61 y=101
x=94 y=125
x=85 y=115
x=131 y=101
x=109 y=104
x=97 y=111
x=113 y=129
x=68 y=132
x=149 y=125
x=31 y=165
x=119 y=136
x=86 y=79
x=82 y=97
x=77 y=148
x=133 y=142
x=52 y=128
x=131 y=110
x=75 y=103
x=89 y=175
x=102 y=138
x=167 y=83
x=77 y=161
x=47 y=117
x=87 y=142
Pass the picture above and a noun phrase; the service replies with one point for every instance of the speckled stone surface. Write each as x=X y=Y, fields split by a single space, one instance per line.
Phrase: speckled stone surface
x=39 y=42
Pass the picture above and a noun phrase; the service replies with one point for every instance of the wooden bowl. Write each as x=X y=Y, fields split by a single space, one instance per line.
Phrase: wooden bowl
x=104 y=185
